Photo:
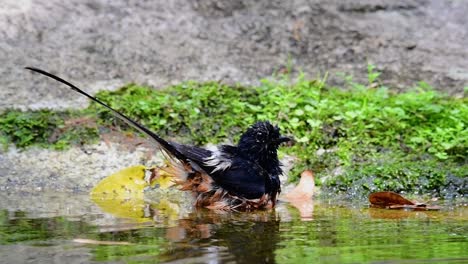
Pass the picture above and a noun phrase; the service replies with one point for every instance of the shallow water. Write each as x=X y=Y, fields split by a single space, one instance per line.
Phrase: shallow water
x=67 y=228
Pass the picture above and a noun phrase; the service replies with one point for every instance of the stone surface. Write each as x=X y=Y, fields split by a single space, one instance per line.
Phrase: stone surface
x=75 y=170
x=102 y=44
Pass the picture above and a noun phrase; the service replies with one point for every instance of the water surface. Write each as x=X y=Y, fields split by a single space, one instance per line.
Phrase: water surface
x=66 y=228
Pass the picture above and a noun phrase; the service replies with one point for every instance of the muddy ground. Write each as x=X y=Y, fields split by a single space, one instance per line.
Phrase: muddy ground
x=103 y=44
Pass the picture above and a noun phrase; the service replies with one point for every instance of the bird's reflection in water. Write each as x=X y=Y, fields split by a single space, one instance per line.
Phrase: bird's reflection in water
x=222 y=236
x=205 y=236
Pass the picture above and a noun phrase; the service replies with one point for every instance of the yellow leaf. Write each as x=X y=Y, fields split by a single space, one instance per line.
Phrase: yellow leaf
x=164 y=209
x=127 y=183
x=163 y=179
x=121 y=194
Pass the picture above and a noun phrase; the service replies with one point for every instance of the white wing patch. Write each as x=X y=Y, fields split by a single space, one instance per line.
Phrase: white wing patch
x=219 y=160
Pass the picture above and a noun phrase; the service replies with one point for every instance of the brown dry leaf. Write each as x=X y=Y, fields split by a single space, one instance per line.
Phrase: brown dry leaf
x=384 y=199
x=391 y=200
x=301 y=196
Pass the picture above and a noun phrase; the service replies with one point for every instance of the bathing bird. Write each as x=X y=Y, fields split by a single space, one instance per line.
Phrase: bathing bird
x=225 y=177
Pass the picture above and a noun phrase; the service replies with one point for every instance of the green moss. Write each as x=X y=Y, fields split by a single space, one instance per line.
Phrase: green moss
x=197 y=112
x=46 y=128
x=410 y=141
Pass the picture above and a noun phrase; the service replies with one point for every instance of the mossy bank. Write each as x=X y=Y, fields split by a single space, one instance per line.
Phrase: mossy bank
x=359 y=138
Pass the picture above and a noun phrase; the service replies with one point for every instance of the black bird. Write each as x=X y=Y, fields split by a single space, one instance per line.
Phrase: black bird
x=242 y=177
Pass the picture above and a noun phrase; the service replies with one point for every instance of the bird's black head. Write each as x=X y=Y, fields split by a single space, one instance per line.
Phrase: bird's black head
x=260 y=143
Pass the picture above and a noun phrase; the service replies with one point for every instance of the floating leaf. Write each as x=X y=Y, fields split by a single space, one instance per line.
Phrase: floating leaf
x=161 y=179
x=384 y=199
x=132 y=208
x=121 y=194
x=131 y=182
x=391 y=200
x=301 y=196
x=167 y=209
x=127 y=183
x=305 y=189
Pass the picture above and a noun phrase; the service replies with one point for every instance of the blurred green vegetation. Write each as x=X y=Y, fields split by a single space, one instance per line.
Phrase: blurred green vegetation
x=362 y=134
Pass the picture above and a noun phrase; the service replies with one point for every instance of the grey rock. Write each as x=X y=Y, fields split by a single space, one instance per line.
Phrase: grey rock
x=103 y=44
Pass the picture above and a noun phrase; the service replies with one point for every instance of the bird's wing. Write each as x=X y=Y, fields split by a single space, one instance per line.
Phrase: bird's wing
x=243 y=178
x=196 y=154
x=230 y=172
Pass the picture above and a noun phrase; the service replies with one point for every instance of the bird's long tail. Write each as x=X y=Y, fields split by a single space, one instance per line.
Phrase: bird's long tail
x=167 y=146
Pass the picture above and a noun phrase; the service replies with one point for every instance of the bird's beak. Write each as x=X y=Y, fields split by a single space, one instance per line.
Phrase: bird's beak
x=284 y=139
